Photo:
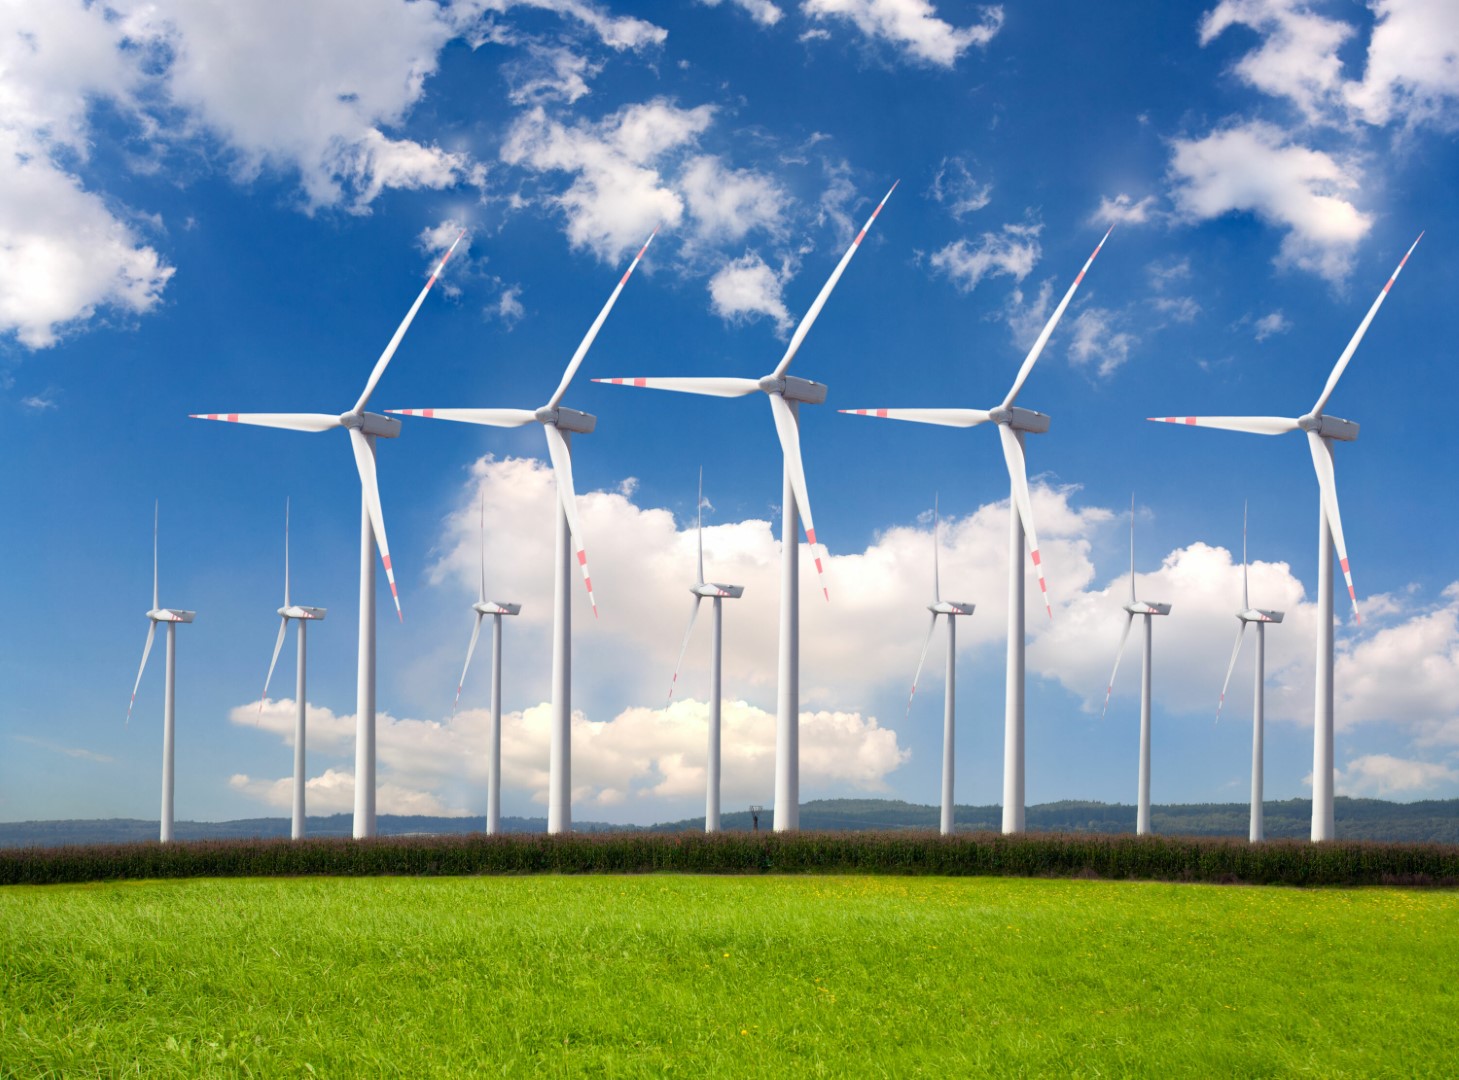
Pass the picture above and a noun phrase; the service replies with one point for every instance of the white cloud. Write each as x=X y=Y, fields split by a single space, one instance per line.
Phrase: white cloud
x=1412 y=73
x=913 y=26
x=1383 y=776
x=1123 y=210
x=618 y=193
x=1255 y=168
x=620 y=32
x=508 y=307
x=1269 y=324
x=549 y=73
x=1181 y=309
x=727 y=203
x=39 y=402
x=955 y=188
x=1010 y=253
x=1097 y=342
x=762 y=11
x=748 y=287
x=1298 y=56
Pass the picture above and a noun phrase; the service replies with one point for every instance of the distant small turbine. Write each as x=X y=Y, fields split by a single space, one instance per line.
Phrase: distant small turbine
x=170 y=616
x=717 y=593
x=1138 y=607
x=950 y=608
x=305 y=615
x=484 y=607
x=1249 y=614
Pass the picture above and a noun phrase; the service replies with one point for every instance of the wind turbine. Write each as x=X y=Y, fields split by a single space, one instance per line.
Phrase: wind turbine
x=950 y=608
x=304 y=615
x=559 y=423
x=1133 y=608
x=1321 y=431
x=716 y=593
x=364 y=428
x=484 y=607
x=170 y=616
x=786 y=393
x=1259 y=618
x=1013 y=423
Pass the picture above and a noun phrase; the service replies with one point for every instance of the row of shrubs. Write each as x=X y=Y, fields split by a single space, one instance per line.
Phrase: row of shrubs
x=1283 y=862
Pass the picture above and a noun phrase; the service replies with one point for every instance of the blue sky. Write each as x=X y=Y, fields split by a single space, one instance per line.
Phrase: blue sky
x=230 y=207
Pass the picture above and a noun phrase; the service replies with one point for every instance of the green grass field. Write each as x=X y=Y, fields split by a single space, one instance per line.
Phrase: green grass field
x=695 y=976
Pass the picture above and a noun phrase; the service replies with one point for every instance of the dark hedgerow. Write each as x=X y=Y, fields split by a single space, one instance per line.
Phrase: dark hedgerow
x=1156 y=858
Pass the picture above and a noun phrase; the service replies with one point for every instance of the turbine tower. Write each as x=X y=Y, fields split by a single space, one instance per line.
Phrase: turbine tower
x=950 y=608
x=304 y=615
x=170 y=616
x=716 y=593
x=1321 y=431
x=364 y=428
x=786 y=393
x=1013 y=423
x=484 y=607
x=1133 y=608
x=559 y=423
x=1259 y=618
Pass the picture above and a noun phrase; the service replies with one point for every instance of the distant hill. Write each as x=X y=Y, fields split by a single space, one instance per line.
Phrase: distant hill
x=1435 y=821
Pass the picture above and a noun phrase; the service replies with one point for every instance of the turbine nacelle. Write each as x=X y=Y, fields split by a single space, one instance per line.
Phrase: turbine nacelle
x=493 y=607
x=1019 y=419
x=294 y=611
x=714 y=590
x=172 y=615
x=950 y=607
x=1140 y=607
x=382 y=427
x=565 y=419
x=793 y=389
x=1257 y=615
x=1329 y=427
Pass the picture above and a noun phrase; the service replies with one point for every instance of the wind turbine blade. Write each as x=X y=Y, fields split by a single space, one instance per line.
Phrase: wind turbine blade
x=486 y=417
x=710 y=386
x=920 y=661
x=1252 y=425
x=278 y=644
x=1245 y=579
x=1043 y=338
x=789 y=432
x=1347 y=354
x=945 y=417
x=567 y=498
x=286 y=565
x=577 y=357
x=384 y=361
x=936 y=572
x=1322 y=462
x=699 y=526
x=307 y=421
x=1018 y=477
x=470 y=649
x=683 y=648
x=146 y=650
x=1119 y=652
x=1235 y=651
x=810 y=316
x=370 y=487
x=155 y=603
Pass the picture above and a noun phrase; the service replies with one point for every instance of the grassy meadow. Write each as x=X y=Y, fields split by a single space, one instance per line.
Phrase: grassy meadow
x=734 y=976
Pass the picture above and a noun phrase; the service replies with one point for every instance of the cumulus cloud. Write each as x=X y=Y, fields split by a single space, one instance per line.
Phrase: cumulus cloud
x=1383 y=776
x=726 y=203
x=549 y=73
x=762 y=11
x=1255 y=168
x=1412 y=74
x=1298 y=55
x=1274 y=322
x=620 y=32
x=1124 y=210
x=1011 y=252
x=911 y=26
x=955 y=188
x=1098 y=343
x=747 y=288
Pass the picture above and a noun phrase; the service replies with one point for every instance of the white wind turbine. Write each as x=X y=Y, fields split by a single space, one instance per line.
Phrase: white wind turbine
x=1013 y=422
x=717 y=593
x=364 y=428
x=1146 y=610
x=484 y=607
x=304 y=615
x=558 y=424
x=1321 y=431
x=950 y=608
x=786 y=393
x=1259 y=618
x=170 y=616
